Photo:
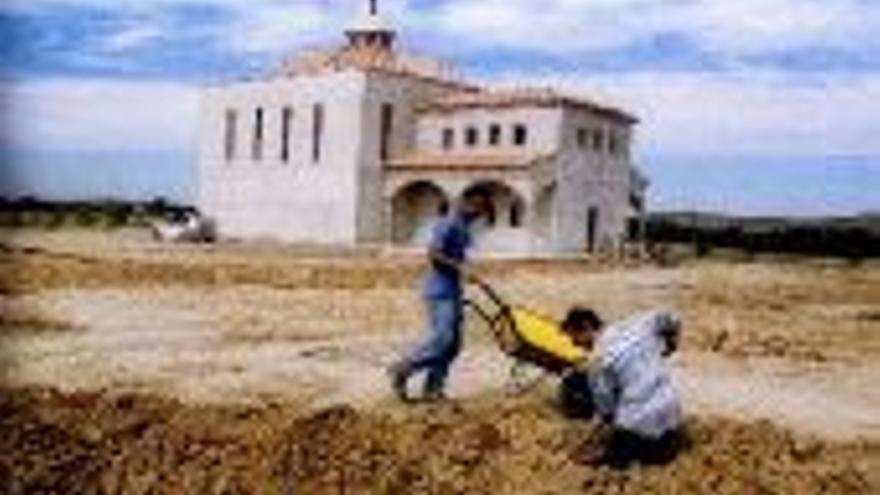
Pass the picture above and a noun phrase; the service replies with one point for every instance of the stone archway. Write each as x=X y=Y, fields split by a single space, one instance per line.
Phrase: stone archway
x=507 y=228
x=414 y=207
x=508 y=207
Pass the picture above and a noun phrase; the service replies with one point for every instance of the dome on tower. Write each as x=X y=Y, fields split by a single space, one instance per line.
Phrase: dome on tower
x=370 y=29
x=370 y=47
x=370 y=21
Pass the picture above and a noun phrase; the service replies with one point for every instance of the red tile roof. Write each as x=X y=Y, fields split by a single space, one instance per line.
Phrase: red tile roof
x=520 y=97
x=369 y=58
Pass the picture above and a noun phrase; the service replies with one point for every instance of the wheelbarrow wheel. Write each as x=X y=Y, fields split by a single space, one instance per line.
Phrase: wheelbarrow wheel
x=504 y=332
x=523 y=378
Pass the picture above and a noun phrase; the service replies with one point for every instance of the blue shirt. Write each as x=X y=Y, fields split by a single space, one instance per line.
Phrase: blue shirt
x=451 y=238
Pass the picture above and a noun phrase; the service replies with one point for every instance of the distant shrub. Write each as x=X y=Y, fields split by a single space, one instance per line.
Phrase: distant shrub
x=84 y=217
x=823 y=239
x=31 y=212
x=118 y=214
x=56 y=220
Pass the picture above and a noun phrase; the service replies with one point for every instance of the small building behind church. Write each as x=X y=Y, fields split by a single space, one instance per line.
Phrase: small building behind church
x=366 y=144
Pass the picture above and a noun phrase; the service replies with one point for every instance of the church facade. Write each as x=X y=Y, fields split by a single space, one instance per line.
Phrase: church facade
x=366 y=144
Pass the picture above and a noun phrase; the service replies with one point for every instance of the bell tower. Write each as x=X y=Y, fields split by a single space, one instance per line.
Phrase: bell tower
x=371 y=31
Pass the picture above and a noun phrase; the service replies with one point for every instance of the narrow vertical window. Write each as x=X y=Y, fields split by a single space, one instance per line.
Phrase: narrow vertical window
x=612 y=144
x=472 y=136
x=494 y=135
x=317 y=131
x=387 y=124
x=229 y=134
x=582 y=138
x=520 y=135
x=286 y=124
x=598 y=141
x=257 y=143
x=448 y=138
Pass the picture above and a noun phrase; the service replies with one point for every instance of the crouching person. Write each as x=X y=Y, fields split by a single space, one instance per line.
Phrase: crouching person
x=628 y=385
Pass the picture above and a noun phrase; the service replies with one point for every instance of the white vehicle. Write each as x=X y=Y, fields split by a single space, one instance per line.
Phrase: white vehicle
x=190 y=227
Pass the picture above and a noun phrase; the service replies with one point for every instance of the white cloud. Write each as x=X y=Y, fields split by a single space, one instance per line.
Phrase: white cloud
x=274 y=29
x=554 y=26
x=123 y=5
x=132 y=37
x=726 y=27
x=256 y=26
x=739 y=113
x=758 y=26
x=99 y=114
x=730 y=27
x=139 y=6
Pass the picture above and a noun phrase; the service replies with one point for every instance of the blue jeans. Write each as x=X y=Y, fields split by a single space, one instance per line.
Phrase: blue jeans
x=441 y=346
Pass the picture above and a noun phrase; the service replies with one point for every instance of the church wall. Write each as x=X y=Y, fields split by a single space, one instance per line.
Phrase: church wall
x=542 y=125
x=403 y=94
x=297 y=200
x=543 y=136
x=594 y=178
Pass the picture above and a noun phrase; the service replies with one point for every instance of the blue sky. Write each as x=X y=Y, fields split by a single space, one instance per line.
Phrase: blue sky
x=747 y=106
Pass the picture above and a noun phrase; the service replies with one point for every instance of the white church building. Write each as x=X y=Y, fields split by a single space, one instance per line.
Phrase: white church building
x=365 y=144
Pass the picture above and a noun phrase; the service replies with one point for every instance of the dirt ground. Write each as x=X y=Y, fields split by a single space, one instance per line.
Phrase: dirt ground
x=258 y=368
x=96 y=443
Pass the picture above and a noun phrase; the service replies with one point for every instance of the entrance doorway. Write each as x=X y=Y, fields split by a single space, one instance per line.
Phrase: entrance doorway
x=592 y=226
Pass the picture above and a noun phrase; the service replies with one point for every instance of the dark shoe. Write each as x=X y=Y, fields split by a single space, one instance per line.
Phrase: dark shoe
x=589 y=453
x=398 y=383
x=618 y=450
x=434 y=396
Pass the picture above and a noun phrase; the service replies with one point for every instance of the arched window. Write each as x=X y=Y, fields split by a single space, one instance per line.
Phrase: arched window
x=520 y=135
x=472 y=136
x=448 y=138
x=494 y=135
x=504 y=207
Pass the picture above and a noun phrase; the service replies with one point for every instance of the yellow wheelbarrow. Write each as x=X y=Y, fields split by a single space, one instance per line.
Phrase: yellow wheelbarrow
x=524 y=335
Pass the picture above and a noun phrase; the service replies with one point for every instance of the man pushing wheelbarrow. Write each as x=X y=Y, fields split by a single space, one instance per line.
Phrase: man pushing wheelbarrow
x=442 y=294
x=617 y=372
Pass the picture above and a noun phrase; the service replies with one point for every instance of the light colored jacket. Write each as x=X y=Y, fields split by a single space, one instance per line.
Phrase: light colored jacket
x=631 y=383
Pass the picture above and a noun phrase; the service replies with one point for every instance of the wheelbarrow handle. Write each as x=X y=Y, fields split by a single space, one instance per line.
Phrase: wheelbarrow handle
x=470 y=277
x=489 y=291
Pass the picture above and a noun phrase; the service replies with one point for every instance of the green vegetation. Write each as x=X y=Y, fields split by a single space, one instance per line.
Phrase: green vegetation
x=29 y=212
x=851 y=238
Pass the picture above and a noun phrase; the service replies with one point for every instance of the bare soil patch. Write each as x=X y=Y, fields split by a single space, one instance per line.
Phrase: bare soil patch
x=97 y=443
x=20 y=315
x=795 y=311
